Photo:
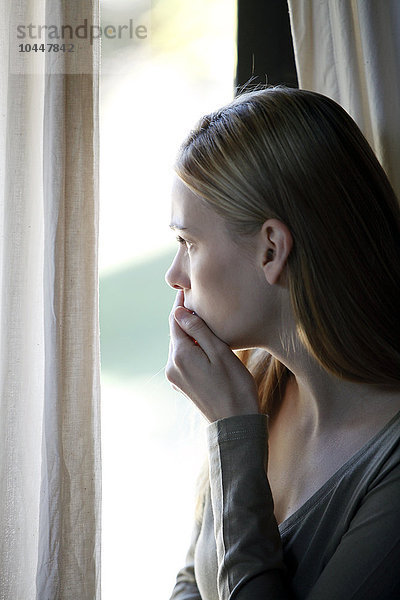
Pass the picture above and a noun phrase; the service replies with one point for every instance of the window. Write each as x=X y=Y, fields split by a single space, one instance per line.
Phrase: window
x=152 y=91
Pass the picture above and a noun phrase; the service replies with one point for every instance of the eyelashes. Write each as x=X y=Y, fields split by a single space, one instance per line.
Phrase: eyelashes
x=184 y=242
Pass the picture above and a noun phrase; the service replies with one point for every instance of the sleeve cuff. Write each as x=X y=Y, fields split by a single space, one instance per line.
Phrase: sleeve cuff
x=242 y=427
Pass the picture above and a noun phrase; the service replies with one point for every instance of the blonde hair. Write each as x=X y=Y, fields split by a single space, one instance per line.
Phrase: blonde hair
x=297 y=156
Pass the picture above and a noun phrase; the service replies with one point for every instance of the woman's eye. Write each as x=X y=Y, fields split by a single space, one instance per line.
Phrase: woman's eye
x=184 y=242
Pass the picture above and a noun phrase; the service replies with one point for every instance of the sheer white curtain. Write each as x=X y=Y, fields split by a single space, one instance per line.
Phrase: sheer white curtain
x=49 y=360
x=350 y=50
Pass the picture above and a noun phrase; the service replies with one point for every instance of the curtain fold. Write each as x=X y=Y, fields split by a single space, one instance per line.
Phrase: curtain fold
x=49 y=361
x=349 y=50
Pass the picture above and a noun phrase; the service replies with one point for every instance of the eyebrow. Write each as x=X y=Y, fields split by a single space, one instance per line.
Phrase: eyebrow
x=176 y=226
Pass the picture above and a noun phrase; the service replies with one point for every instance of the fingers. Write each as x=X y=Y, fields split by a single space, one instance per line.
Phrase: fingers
x=180 y=342
x=179 y=299
x=178 y=302
x=189 y=332
x=196 y=328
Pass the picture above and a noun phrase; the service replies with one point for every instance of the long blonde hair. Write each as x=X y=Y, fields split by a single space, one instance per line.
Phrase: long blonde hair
x=297 y=156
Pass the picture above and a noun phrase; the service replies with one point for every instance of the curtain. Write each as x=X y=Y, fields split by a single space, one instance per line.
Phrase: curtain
x=49 y=360
x=349 y=50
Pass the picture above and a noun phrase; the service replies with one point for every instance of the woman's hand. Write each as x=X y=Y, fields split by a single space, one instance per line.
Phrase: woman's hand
x=205 y=369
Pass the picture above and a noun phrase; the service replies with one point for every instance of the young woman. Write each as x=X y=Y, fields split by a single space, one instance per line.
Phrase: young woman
x=289 y=236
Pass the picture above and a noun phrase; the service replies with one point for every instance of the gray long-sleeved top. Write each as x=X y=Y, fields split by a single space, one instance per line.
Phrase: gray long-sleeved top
x=343 y=543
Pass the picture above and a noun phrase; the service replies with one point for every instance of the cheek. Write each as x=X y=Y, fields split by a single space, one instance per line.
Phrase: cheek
x=218 y=298
x=237 y=315
x=214 y=281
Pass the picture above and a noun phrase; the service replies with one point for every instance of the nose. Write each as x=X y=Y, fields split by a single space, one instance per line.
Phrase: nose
x=177 y=276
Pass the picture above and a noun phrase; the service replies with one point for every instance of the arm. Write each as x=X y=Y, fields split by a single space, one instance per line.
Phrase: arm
x=198 y=370
x=247 y=535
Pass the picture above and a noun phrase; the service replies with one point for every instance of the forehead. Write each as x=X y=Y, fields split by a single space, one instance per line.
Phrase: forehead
x=189 y=211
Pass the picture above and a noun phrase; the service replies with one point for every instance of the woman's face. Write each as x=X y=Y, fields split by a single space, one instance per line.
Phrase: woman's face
x=222 y=281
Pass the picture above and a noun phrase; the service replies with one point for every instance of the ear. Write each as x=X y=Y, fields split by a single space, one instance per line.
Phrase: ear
x=277 y=243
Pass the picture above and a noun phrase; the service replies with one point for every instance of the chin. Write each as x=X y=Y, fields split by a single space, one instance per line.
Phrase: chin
x=242 y=343
x=237 y=343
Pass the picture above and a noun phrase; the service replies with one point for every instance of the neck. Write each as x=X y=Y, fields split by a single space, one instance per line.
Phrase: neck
x=321 y=401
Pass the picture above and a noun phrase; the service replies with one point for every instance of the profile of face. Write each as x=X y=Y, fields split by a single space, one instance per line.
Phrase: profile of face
x=223 y=279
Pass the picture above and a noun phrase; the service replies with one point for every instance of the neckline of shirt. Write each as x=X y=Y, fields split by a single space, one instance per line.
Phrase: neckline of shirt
x=377 y=440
